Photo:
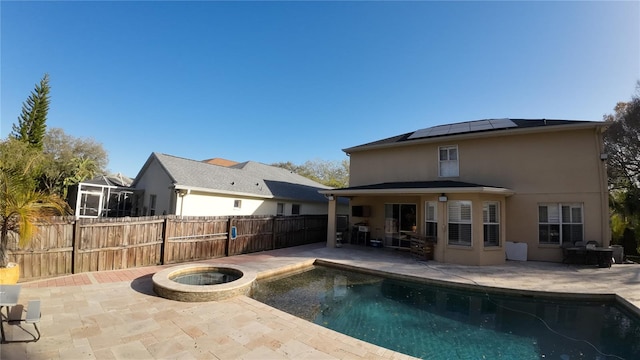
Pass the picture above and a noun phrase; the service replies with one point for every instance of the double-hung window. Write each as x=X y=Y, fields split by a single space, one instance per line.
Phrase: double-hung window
x=431 y=219
x=237 y=204
x=459 y=223
x=560 y=223
x=448 y=161
x=295 y=209
x=280 y=209
x=491 y=223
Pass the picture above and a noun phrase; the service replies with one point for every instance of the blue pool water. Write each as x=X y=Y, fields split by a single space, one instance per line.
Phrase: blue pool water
x=433 y=322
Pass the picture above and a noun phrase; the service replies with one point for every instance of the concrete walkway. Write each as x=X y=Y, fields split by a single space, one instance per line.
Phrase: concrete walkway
x=116 y=315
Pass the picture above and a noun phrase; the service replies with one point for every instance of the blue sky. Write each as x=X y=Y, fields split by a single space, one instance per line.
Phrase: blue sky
x=297 y=81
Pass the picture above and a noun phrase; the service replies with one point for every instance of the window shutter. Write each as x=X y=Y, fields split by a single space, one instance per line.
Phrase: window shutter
x=454 y=211
x=465 y=212
x=431 y=211
x=553 y=214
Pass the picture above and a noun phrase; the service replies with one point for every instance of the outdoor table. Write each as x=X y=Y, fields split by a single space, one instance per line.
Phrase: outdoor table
x=9 y=295
x=603 y=256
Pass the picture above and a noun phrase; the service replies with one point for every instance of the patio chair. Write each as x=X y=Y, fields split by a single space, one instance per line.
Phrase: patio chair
x=32 y=317
x=574 y=253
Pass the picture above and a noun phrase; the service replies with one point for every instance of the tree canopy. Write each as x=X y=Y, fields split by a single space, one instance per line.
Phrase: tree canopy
x=58 y=160
x=622 y=145
x=32 y=121
x=70 y=160
x=331 y=173
x=21 y=204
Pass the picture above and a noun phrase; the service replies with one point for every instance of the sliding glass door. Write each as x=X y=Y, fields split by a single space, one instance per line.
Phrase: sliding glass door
x=400 y=219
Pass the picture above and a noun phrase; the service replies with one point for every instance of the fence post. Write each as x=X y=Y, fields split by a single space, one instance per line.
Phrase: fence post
x=163 y=252
x=273 y=232
x=227 y=244
x=306 y=233
x=76 y=246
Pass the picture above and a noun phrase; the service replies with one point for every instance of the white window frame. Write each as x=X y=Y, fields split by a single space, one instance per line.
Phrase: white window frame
x=431 y=219
x=491 y=222
x=280 y=209
x=83 y=210
x=459 y=219
x=448 y=161
x=237 y=204
x=562 y=223
x=153 y=198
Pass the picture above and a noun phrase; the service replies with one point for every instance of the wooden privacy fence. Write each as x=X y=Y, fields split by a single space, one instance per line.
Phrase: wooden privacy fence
x=66 y=245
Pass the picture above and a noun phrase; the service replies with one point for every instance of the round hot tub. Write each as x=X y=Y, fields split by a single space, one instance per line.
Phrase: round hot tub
x=203 y=282
x=207 y=277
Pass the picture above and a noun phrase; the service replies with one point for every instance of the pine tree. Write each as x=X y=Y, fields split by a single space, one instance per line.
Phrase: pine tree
x=32 y=125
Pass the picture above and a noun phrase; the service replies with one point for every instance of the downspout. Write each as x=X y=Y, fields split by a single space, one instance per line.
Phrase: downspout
x=604 y=188
x=182 y=193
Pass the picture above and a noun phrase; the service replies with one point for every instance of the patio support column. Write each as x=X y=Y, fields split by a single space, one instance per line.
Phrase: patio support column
x=331 y=221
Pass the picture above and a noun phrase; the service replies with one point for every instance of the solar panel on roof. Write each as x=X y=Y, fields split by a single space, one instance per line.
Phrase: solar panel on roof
x=480 y=125
x=440 y=130
x=461 y=128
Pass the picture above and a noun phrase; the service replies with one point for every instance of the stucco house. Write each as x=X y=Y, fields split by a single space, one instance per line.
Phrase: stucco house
x=482 y=188
x=179 y=186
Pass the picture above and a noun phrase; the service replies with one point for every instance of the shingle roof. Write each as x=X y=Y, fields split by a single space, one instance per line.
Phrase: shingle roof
x=110 y=180
x=515 y=124
x=247 y=178
x=416 y=185
x=419 y=187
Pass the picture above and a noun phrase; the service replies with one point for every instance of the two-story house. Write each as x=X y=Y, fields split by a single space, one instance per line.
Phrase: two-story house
x=478 y=186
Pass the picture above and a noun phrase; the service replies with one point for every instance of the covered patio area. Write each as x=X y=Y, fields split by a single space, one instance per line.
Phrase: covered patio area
x=464 y=223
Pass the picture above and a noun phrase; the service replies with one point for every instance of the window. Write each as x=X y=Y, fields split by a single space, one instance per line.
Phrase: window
x=491 y=223
x=431 y=219
x=280 y=209
x=152 y=204
x=448 y=160
x=560 y=223
x=295 y=209
x=459 y=223
x=237 y=204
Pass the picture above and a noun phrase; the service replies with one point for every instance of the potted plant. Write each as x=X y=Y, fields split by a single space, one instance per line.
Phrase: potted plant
x=21 y=207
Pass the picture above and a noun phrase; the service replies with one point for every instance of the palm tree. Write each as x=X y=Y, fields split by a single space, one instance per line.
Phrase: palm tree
x=21 y=207
x=82 y=169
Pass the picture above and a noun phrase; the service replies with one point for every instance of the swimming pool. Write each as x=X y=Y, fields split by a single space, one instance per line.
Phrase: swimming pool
x=435 y=322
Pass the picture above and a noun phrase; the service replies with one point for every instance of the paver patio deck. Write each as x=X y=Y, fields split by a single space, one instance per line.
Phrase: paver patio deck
x=116 y=315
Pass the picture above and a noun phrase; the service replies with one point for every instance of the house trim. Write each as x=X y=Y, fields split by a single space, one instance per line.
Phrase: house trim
x=218 y=191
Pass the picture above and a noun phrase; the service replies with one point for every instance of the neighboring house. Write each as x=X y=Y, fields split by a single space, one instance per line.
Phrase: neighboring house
x=479 y=187
x=102 y=196
x=174 y=185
